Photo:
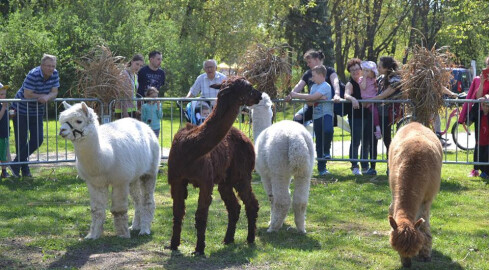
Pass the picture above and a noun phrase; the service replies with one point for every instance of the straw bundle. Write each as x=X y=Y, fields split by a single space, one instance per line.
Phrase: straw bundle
x=424 y=78
x=100 y=76
x=264 y=66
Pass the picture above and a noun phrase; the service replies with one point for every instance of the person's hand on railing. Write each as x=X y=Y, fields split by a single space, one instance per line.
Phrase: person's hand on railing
x=337 y=98
x=355 y=103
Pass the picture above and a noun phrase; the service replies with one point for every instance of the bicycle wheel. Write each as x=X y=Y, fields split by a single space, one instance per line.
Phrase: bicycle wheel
x=464 y=139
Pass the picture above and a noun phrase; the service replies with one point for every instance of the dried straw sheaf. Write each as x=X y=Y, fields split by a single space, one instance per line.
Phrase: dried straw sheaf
x=264 y=66
x=100 y=76
x=424 y=78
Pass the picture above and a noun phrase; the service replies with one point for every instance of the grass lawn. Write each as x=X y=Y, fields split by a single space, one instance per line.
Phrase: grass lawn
x=43 y=221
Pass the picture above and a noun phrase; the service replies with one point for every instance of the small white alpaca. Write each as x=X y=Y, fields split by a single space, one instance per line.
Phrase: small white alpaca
x=283 y=150
x=124 y=154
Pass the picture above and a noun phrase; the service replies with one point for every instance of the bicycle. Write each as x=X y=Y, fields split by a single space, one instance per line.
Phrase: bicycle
x=462 y=135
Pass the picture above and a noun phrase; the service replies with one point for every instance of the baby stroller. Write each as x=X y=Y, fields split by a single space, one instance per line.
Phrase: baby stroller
x=197 y=111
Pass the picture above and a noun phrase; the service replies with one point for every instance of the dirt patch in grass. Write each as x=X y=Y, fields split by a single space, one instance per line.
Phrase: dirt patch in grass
x=17 y=253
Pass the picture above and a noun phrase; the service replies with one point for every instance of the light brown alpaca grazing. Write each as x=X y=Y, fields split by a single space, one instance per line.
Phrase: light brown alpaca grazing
x=415 y=159
x=215 y=153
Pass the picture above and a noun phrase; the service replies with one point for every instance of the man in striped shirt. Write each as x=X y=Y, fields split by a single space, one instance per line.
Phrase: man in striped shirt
x=40 y=86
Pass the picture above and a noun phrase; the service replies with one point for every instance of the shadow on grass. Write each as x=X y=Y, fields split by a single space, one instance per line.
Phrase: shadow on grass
x=438 y=261
x=31 y=183
x=452 y=186
x=288 y=238
x=78 y=254
x=235 y=255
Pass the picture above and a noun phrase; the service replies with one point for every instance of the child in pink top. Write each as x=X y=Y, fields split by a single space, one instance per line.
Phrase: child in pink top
x=368 y=90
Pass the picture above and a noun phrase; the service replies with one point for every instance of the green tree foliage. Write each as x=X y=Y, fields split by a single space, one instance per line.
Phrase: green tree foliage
x=23 y=40
x=466 y=30
x=189 y=31
x=308 y=27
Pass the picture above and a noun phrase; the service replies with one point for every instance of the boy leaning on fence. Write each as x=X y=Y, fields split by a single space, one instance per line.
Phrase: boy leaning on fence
x=4 y=129
x=322 y=114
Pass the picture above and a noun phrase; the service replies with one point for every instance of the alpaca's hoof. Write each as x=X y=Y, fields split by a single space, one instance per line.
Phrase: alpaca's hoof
x=124 y=235
x=145 y=232
x=134 y=228
x=198 y=253
x=406 y=262
x=91 y=236
x=250 y=239
x=171 y=248
x=270 y=230
x=421 y=258
x=228 y=241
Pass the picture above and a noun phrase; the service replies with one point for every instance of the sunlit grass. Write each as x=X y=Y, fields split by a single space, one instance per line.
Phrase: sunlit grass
x=347 y=225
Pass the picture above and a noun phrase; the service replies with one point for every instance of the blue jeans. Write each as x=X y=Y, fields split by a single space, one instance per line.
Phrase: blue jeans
x=323 y=128
x=27 y=128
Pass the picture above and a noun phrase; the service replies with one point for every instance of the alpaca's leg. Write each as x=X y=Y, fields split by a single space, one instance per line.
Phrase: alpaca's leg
x=135 y=191
x=98 y=203
x=245 y=192
x=148 y=183
x=281 y=203
x=267 y=185
x=233 y=208
x=119 y=210
x=301 y=196
x=178 y=194
x=425 y=252
x=205 y=199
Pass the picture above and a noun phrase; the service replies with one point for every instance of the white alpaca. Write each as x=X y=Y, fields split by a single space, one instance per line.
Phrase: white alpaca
x=124 y=154
x=283 y=150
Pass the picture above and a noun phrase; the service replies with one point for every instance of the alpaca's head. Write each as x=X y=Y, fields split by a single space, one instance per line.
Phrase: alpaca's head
x=237 y=89
x=77 y=121
x=264 y=102
x=407 y=239
x=263 y=109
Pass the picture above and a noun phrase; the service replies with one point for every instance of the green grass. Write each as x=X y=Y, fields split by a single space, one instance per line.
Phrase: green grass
x=43 y=221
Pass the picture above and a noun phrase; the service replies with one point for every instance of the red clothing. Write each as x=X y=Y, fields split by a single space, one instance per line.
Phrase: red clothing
x=472 y=95
x=484 y=130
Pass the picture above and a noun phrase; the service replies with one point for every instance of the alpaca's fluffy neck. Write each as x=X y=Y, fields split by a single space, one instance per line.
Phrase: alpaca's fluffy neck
x=405 y=214
x=88 y=150
x=261 y=119
x=216 y=126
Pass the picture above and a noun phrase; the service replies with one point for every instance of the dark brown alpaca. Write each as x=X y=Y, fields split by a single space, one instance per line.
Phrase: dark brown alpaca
x=415 y=160
x=215 y=153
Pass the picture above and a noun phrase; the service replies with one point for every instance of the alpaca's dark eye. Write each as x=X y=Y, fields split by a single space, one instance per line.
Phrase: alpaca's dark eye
x=79 y=121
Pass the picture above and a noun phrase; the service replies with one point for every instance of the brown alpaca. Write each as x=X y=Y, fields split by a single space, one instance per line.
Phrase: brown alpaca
x=415 y=159
x=215 y=153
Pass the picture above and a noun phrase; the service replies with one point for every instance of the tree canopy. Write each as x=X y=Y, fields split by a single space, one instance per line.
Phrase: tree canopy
x=190 y=31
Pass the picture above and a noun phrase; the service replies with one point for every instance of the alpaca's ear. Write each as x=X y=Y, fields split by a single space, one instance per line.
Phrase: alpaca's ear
x=216 y=86
x=85 y=109
x=418 y=223
x=392 y=222
x=66 y=105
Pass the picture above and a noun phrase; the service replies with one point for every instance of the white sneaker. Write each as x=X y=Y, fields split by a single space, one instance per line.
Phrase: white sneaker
x=356 y=171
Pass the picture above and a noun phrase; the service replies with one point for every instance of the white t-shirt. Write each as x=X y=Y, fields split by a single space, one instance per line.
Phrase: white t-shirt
x=202 y=85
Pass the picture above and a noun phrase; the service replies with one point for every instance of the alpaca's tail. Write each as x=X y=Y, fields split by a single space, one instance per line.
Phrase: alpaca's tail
x=301 y=153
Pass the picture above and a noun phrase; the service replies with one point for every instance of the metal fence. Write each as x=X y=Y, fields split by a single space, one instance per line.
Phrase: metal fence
x=459 y=140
